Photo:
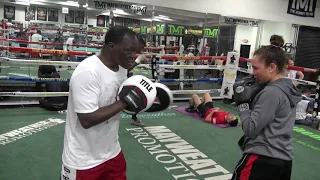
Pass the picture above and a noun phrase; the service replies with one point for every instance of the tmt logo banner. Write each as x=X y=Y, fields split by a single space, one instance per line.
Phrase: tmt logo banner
x=175 y=30
x=304 y=8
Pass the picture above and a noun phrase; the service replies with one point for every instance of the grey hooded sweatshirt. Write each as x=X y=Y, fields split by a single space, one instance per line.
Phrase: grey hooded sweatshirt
x=268 y=125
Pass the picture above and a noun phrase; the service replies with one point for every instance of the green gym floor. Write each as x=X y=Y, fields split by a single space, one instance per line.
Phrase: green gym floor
x=36 y=154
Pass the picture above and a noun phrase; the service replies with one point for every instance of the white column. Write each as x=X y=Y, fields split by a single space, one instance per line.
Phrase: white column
x=253 y=42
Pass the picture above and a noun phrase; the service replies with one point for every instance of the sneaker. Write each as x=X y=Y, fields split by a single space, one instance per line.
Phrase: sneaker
x=308 y=121
x=137 y=122
x=190 y=109
x=318 y=125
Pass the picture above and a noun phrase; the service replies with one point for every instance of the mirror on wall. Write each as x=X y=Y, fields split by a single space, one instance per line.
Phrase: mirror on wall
x=91 y=19
x=166 y=31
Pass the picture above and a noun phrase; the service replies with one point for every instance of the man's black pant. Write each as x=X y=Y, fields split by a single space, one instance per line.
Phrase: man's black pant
x=257 y=167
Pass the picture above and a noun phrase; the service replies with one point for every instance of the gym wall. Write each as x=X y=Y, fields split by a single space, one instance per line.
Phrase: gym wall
x=269 y=28
x=245 y=33
x=270 y=10
x=20 y=14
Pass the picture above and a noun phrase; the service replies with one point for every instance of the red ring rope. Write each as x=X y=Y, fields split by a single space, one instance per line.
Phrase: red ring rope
x=224 y=58
x=173 y=57
x=43 y=51
x=47 y=43
x=82 y=45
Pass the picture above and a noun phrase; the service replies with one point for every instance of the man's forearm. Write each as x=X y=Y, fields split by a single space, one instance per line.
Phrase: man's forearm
x=101 y=115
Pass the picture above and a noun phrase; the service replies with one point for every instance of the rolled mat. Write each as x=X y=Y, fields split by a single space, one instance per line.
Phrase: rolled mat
x=196 y=116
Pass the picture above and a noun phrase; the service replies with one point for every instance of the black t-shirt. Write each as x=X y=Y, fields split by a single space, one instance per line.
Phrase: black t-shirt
x=19 y=36
x=58 y=40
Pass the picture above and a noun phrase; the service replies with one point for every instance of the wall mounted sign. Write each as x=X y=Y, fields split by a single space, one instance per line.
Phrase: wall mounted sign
x=69 y=18
x=194 y=30
x=30 y=13
x=304 y=8
x=41 y=13
x=211 y=32
x=241 y=22
x=53 y=14
x=151 y=30
x=79 y=17
x=9 y=12
x=175 y=30
x=101 y=21
x=125 y=7
x=160 y=29
x=135 y=29
x=65 y=10
x=143 y=30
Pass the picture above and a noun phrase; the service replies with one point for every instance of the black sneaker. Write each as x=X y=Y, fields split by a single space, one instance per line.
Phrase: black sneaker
x=191 y=109
x=137 y=122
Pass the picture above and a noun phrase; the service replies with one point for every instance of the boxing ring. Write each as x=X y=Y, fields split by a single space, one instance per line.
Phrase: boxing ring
x=158 y=65
x=40 y=149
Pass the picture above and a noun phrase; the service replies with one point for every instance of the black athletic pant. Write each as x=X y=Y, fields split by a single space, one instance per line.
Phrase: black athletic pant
x=257 y=167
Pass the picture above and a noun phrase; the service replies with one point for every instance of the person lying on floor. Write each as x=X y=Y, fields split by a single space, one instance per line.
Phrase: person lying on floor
x=208 y=112
x=304 y=109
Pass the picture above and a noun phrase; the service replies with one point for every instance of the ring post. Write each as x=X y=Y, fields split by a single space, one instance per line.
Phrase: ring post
x=154 y=68
x=317 y=100
x=230 y=74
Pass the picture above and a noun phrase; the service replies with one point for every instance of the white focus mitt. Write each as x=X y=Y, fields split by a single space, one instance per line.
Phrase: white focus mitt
x=163 y=100
x=138 y=92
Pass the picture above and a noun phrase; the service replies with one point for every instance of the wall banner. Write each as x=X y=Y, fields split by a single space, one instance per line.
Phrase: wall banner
x=211 y=32
x=135 y=9
x=304 y=8
x=241 y=22
x=9 y=12
x=175 y=30
x=30 y=13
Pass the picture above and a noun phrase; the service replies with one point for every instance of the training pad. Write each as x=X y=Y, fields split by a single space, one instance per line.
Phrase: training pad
x=196 y=116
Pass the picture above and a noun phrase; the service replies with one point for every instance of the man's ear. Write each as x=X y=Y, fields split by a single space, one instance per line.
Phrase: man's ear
x=110 y=46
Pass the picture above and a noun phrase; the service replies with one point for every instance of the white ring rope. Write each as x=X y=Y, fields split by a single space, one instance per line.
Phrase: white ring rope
x=304 y=82
x=56 y=94
x=43 y=62
x=66 y=63
x=147 y=66
x=38 y=62
x=33 y=68
x=168 y=67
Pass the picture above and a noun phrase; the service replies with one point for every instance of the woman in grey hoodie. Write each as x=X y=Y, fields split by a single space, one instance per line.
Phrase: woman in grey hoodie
x=267 y=115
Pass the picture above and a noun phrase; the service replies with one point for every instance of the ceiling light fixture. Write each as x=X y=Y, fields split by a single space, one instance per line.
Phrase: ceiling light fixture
x=116 y=12
x=70 y=3
x=28 y=2
x=163 y=16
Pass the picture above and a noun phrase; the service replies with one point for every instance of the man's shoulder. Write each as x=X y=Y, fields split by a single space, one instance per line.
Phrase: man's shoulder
x=89 y=62
x=87 y=66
